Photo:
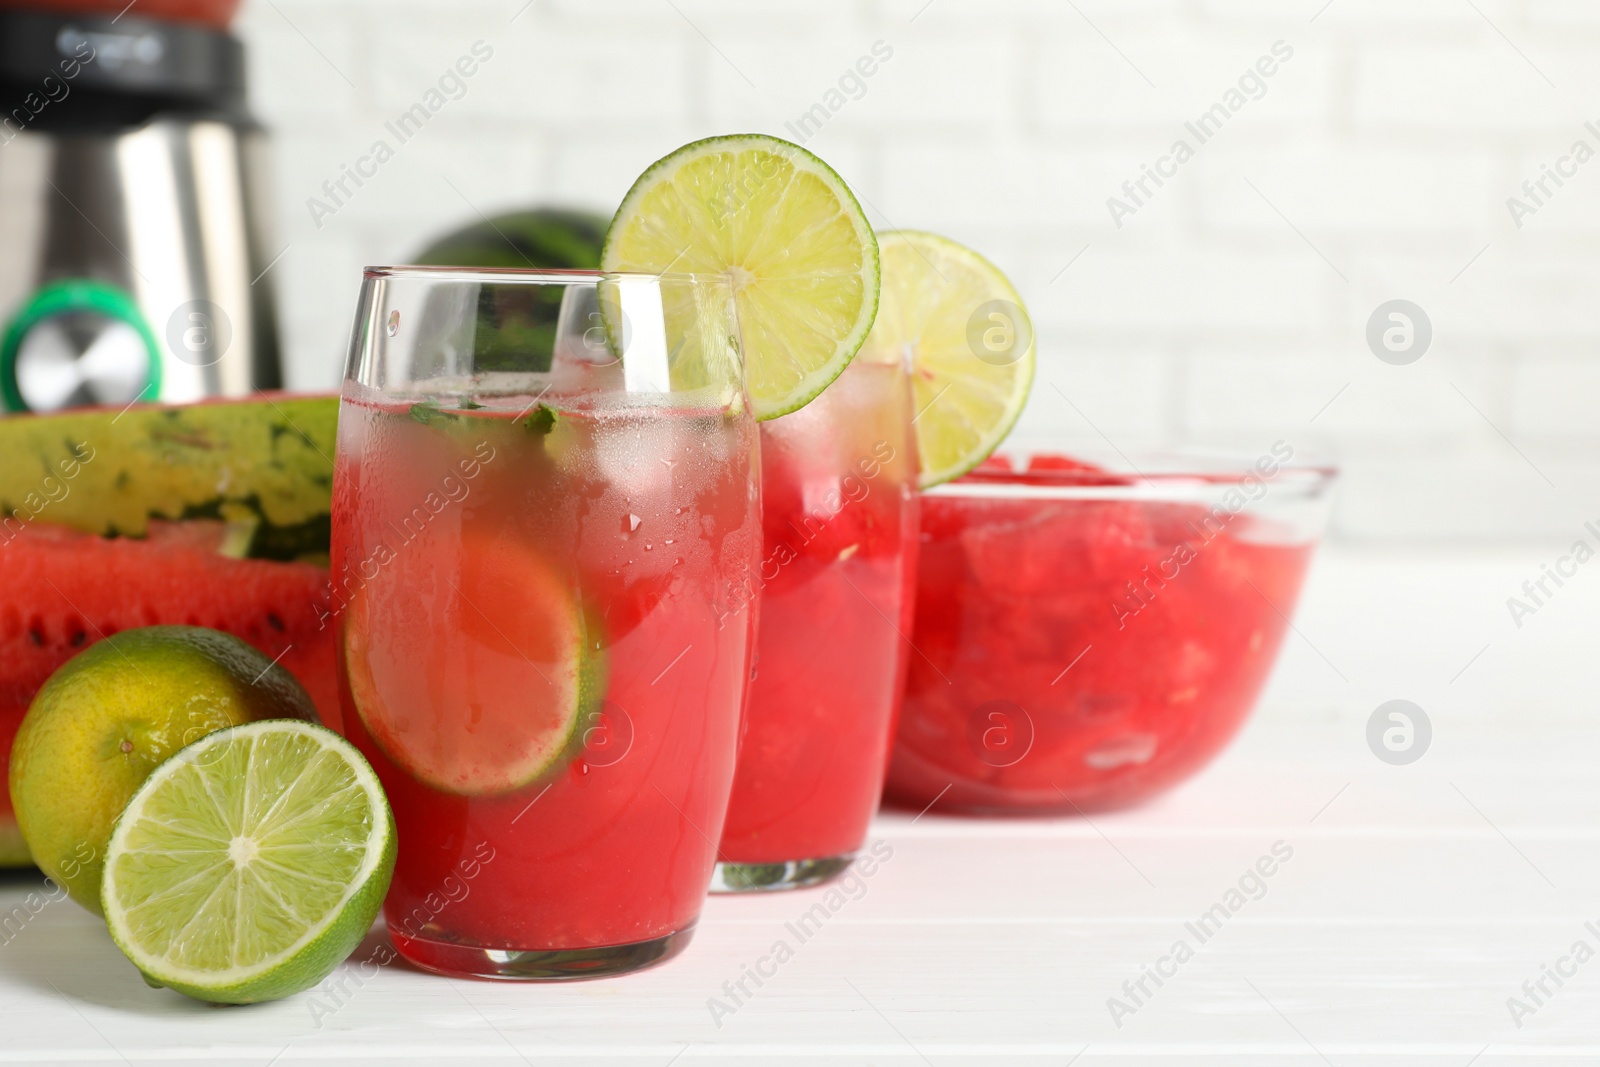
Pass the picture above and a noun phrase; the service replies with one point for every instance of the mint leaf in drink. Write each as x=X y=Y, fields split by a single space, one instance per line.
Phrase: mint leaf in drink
x=429 y=413
x=541 y=421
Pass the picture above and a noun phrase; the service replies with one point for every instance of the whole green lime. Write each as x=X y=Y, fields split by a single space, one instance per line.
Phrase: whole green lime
x=113 y=713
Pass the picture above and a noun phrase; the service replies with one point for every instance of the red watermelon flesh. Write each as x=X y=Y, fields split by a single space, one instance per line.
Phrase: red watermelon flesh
x=61 y=590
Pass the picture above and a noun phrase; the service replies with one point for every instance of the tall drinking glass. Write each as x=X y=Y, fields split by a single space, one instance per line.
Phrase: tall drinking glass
x=837 y=573
x=545 y=491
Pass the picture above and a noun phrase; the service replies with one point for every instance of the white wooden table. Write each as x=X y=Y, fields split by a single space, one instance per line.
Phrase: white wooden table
x=1418 y=899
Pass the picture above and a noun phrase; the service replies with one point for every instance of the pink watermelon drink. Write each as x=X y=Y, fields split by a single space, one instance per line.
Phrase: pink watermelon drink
x=1092 y=638
x=838 y=557
x=529 y=666
x=542 y=649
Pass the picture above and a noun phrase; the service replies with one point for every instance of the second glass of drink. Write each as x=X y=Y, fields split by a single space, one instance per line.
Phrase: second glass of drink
x=837 y=570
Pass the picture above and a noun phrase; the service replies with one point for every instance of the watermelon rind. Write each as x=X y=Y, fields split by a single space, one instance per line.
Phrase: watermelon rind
x=266 y=462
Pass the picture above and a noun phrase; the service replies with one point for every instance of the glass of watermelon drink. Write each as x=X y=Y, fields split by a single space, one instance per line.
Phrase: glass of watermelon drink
x=838 y=560
x=1090 y=636
x=545 y=492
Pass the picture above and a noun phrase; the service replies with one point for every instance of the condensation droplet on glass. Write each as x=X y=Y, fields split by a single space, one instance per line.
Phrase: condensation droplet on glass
x=631 y=523
x=394 y=323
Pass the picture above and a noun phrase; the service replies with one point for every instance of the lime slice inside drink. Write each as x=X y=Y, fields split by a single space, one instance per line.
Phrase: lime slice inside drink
x=250 y=864
x=467 y=662
x=788 y=232
x=969 y=341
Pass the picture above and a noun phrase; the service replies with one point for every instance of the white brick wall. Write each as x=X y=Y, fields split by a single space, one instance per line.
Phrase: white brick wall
x=1230 y=309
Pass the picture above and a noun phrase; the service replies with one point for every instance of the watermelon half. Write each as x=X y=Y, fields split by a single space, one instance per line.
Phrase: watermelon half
x=513 y=326
x=62 y=590
x=543 y=238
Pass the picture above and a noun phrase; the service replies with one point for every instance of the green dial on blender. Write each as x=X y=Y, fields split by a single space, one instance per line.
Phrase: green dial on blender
x=78 y=342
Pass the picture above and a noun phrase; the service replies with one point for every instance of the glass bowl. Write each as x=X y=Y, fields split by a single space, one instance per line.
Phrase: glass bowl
x=1089 y=634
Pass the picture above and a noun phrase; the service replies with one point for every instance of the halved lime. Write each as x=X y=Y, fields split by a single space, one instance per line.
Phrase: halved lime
x=970 y=343
x=467 y=662
x=250 y=864
x=786 y=229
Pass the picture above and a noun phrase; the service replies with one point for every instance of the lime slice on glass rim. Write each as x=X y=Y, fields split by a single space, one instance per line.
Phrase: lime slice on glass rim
x=250 y=864
x=788 y=232
x=969 y=341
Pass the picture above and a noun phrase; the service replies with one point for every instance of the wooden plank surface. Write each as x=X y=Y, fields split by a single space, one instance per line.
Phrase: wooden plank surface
x=1416 y=901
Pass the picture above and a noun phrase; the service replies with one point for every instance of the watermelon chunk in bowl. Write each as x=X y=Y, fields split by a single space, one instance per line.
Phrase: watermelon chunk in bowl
x=1091 y=634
